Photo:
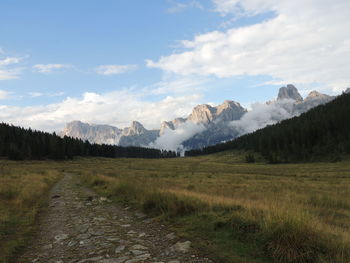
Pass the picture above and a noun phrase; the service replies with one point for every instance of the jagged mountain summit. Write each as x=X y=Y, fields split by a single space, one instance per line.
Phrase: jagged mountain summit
x=136 y=128
x=138 y=135
x=93 y=133
x=217 y=124
x=135 y=135
x=289 y=92
x=172 y=125
x=227 y=111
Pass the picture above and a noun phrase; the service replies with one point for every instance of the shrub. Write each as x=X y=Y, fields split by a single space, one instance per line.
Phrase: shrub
x=170 y=204
x=250 y=158
x=292 y=238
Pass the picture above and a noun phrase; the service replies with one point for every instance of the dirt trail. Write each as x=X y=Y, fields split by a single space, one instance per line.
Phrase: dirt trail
x=81 y=227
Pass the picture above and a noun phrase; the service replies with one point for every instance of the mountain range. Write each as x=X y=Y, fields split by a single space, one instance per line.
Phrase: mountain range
x=206 y=125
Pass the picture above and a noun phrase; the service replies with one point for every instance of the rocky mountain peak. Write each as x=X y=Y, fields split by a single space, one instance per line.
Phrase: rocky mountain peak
x=92 y=132
x=203 y=113
x=75 y=124
x=166 y=125
x=136 y=128
x=229 y=110
x=316 y=95
x=289 y=92
x=178 y=121
x=172 y=125
x=347 y=90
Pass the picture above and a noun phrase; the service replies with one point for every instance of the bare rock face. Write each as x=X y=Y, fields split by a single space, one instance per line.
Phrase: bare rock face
x=316 y=95
x=178 y=121
x=289 y=92
x=206 y=114
x=166 y=125
x=314 y=99
x=347 y=90
x=139 y=139
x=202 y=114
x=136 y=135
x=172 y=125
x=136 y=128
x=93 y=133
x=229 y=111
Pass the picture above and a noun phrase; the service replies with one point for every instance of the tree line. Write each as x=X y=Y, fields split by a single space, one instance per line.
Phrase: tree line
x=324 y=131
x=18 y=143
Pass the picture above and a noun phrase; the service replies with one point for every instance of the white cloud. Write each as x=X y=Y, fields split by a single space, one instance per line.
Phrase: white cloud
x=178 y=7
x=117 y=108
x=6 y=74
x=55 y=94
x=35 y=94
x=251 y=7
x=262 y=114
x=308 y=41
x=4 y=94
x=49 y=68
x=177 y=85
x=9 y=61
x=173 y=139
x=108 y=70
x=9 y=68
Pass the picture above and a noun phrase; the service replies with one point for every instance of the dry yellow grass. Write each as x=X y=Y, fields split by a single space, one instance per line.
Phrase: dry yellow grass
x=23 y=186
x=242 y=212
x=293 y=212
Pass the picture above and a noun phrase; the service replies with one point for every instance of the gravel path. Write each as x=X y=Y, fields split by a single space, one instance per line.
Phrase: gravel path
x=81 y=227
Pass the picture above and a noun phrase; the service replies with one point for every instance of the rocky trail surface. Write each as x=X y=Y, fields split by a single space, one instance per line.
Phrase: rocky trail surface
x=81 y=227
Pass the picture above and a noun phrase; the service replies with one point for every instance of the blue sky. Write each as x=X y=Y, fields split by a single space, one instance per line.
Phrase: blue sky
x=60 y=54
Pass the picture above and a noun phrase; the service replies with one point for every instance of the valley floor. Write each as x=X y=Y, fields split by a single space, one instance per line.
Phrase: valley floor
x=231 y=211
x=80 y=226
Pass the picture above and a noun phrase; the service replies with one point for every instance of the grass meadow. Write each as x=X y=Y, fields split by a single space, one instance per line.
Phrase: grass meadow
x=236 y=211
x=23 y=189
x=231 y=210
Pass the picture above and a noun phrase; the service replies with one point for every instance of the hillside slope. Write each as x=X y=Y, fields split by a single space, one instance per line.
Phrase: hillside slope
x=322 y=131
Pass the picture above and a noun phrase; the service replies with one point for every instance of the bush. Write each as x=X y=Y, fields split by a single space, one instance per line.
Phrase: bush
x=250 y=158
x=293 y=239
x=170 y=204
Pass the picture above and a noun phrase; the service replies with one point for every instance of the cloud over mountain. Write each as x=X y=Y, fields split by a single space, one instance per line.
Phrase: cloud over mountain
x=173 y=139
x=117 y=108
x=206 y=125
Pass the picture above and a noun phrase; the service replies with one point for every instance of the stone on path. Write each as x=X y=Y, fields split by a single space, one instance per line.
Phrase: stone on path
x=61 y=237
x=182 y=247
x=119 y=249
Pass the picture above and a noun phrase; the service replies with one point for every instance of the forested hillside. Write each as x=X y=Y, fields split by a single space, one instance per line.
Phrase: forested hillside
x=18 y=143
x=322 y=131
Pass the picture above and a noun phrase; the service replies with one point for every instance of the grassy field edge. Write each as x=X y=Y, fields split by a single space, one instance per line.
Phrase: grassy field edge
x=24 y=188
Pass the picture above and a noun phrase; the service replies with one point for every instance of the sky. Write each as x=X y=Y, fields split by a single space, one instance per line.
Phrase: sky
x=115 y=61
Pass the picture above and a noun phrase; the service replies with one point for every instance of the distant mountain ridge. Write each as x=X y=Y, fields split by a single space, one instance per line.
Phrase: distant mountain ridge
x=137 y=134
x=217 y=122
